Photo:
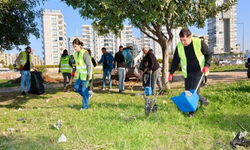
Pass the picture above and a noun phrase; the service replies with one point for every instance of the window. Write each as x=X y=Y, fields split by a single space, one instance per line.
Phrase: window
x=54 y=39
x=55 y=50
x=60 y=38
x=53 y=17
x=54 y=34
x=55 y=56
x=55 y=45
x=53 y=23
x=54 y=28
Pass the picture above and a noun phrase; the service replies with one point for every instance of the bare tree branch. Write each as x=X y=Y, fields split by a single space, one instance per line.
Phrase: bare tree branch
x=144 y=31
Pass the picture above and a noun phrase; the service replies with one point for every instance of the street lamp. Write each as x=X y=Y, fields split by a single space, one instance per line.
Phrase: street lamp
x=242 y=41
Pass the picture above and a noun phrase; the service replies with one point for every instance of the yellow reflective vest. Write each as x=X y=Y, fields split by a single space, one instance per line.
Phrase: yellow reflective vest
x=64 y=62
x=198 y=53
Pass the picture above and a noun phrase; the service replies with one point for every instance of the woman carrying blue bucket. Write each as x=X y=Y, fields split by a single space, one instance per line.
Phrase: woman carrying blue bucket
x=195 y=59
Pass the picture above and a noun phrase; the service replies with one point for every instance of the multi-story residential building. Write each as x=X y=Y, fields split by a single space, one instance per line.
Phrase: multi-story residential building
x=54 y=36
x=138 y=42
x=151 y=44
x=222 y=32
x=94 y=42
x=11 y=58
x=70 y=45
x=205 y=37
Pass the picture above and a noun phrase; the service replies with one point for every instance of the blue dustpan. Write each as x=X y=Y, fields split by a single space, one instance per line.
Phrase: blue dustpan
x=187 y=103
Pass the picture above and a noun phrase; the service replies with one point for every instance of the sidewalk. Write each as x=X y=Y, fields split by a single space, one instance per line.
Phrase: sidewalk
x=18 y=88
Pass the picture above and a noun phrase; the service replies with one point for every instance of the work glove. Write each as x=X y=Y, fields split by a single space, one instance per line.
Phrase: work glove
x=35 y=70
x=21 y=67
x=205 y=69
x=170 y=77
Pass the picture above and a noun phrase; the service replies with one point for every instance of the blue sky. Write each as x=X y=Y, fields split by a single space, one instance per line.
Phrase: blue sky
x=74 y=22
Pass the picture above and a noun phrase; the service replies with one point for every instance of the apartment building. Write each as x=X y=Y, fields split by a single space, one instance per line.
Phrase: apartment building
x=222 y=32
x=205 y=37
x=93 y=41
x=54 y=36
x=11 y=58
x=151 y=44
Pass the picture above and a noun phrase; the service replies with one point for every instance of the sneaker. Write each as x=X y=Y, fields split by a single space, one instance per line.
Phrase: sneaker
x=64 y=89
x=204 y=102
x=90 y=94
x=120 y=91
x=83 y=109
x=191 y=114
x=103 y=88
x=110 y=89
x=23 y=93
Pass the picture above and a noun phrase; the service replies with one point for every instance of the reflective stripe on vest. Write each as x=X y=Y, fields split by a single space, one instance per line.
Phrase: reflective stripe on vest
x=198 y=54
x=24 y=59
x=81 y=67
x=65 y=67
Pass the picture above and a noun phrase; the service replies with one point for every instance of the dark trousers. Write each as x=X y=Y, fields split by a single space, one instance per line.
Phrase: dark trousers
x=65 y=75
x=192 y=81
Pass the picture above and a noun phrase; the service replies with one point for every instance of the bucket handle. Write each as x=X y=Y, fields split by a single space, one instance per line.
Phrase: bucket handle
x=199 y=82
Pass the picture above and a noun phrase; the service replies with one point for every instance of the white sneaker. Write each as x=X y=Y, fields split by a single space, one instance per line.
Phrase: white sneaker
x=90 y=94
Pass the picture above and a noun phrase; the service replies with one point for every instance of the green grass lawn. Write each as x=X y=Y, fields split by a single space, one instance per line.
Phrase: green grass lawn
x=4 y=83
x=117 y=121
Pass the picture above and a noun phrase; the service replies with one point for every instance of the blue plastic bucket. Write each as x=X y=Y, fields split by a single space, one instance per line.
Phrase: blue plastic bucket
x=148 y=90
x=186 y=104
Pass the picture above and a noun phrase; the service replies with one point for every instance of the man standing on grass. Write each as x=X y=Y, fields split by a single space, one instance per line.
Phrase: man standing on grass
x=153 y=69
x=25 y=62
x=195 y=59
x=119 y=59
x=107 y=66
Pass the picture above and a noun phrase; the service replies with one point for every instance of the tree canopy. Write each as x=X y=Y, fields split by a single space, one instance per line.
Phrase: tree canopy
x=149 y=15
x=17 y=22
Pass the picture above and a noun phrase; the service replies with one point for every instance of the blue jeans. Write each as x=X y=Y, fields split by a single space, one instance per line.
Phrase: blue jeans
x=121 y=78
x=80 y=87
x=105 y=73
x=25 y=77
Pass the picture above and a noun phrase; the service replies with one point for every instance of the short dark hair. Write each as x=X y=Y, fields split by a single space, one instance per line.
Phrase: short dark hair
x=77 y=42
x=104 y=48
x=27 y=48
x=185 y=31
x=150 y=50
x=120 y=46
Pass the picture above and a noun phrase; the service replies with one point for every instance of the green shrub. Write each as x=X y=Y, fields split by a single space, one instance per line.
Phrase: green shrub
x=159 y=60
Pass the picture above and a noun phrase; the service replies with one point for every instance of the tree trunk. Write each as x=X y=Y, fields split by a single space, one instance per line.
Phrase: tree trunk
x=165 y=56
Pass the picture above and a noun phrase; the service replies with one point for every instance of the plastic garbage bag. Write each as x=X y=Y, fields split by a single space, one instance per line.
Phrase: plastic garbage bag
x=58 y=125
x=62 y=138
x=37 y=86
x=240 y=140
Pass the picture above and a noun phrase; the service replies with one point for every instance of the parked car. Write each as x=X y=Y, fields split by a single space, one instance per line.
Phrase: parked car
x=237 y=62
x=223 y=62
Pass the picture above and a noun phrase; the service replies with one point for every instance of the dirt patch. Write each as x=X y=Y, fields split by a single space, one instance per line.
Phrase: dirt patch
x=46 y=78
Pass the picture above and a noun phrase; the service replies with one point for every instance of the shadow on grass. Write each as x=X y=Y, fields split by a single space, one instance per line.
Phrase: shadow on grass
x=18 y=141
x=16 y=100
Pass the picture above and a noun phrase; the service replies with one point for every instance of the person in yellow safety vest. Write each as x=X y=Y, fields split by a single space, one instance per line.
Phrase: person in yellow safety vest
x=65 y=66
x=90 y=88
x=84 y=72
x=195 y=59
x=24 y=60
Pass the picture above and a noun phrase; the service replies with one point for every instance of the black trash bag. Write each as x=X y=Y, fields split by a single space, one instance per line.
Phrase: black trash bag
x=37 y=86
x=240 y=140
